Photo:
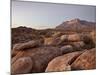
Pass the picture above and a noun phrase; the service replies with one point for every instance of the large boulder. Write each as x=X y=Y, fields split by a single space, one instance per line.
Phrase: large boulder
x=55 y=41
x=62 y=63
x=30 y=44
x=85 y=61
x=78 y=45
x=64 y=37
x=66 y=49
x=17 y=56
x=22 y=65
x=40 y=56
x=74 y=37
x=52 y=41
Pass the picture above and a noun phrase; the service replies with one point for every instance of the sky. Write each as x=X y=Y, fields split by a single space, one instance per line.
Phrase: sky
x=40 y=15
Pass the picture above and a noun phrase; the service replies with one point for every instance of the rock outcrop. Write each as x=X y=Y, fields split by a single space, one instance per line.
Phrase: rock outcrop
x=85 y=61
x=40 y=57
x=62 y=63
x=69 y=46
x=80 y=60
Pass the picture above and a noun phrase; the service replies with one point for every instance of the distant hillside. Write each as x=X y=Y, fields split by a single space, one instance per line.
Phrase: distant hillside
x=23 y=34
x=77 y=24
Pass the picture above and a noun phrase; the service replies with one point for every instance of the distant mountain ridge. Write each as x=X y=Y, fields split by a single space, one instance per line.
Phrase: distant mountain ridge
x=77 y=24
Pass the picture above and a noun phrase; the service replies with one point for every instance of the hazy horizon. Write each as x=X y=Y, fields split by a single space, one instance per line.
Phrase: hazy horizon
x=48 y=15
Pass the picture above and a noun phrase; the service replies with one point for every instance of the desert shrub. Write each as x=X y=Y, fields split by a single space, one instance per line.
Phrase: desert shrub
x=88 y=41
x=93 y=35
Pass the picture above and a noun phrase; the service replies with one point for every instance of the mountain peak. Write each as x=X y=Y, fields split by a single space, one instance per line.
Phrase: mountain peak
x=76 y=24
x=74 y=21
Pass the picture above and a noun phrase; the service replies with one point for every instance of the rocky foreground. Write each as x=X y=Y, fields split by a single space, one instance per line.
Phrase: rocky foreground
x=37 y=51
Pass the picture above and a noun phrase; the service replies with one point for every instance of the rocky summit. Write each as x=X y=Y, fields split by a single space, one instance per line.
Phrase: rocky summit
x=77 y=25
